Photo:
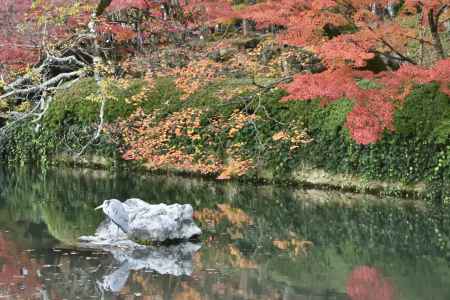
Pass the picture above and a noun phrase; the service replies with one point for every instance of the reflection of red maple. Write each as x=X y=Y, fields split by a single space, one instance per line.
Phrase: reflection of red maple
x=12 y=261
x=367 y=283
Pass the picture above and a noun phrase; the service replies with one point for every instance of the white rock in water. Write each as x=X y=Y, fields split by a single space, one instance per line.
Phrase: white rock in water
x=136 y=220
x=161 y=222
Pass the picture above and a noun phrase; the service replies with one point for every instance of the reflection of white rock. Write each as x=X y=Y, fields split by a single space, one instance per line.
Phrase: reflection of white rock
x=172 y=260
x=137 y=220
x=166 y=260
x=115 y=281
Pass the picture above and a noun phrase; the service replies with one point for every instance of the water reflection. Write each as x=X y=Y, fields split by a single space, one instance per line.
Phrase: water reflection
x=18 y=271
x=173 y=260
x=258 y=243
x=367 y=283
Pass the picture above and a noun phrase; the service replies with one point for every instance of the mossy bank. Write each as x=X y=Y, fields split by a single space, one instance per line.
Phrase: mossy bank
x=252 y=135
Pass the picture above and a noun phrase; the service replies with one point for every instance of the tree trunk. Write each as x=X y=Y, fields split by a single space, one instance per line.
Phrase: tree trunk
x=101 y=7
x=433 y=20
x=245 y=27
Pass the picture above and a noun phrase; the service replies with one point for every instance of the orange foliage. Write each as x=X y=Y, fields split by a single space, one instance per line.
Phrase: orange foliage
x=298 y=247
x=120 y=32
x=235 y=168
x=236 y=216
x=212 y=218
x=196 y=75
x=239 y=261
x=148 y=140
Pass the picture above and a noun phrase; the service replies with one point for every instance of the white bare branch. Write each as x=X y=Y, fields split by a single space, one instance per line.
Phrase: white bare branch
x=49 y=83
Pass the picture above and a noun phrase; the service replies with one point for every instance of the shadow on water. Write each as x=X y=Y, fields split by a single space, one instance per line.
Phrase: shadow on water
x=258 y=242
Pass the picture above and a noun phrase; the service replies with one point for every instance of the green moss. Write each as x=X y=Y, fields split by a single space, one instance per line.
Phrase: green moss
x=396 y=157
x=74 y=105
x=144 y=242
x=66 y=106
x=120 y=106
x=165 y=97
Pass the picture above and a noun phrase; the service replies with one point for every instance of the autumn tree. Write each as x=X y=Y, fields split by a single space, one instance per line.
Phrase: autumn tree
x=348 y=36
x=17 y=47
x=33 y=29
x=63 y=43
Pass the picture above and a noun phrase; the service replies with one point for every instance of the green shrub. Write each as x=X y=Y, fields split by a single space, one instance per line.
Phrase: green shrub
x=66 y=106
x=425 y=114
x=25 y=144
x=392 y=158
x=331 y=119
x=438 y=191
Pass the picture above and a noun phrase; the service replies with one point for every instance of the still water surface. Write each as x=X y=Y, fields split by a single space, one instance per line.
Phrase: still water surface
x=258 y=242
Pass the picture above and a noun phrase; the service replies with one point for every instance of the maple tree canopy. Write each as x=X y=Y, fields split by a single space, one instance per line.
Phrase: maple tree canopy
x=347 y=35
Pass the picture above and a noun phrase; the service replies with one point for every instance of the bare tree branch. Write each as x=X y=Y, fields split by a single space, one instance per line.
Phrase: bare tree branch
x=51 y=82
x=48 y=62
x=99 y=129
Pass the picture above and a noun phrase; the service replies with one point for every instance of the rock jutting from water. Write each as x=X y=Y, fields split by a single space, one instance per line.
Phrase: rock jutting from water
x=135 y=221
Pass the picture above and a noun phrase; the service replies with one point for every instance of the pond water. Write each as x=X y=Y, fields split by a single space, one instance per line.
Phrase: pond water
x=258 y=242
